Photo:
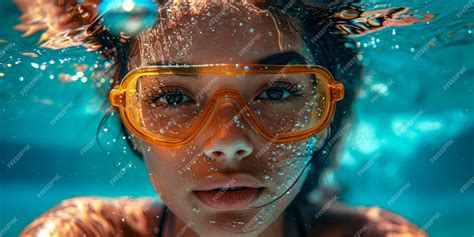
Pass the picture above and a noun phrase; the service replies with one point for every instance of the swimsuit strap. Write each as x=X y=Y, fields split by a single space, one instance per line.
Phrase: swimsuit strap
x=291 y=215
x=299 y=221
x=162 y=221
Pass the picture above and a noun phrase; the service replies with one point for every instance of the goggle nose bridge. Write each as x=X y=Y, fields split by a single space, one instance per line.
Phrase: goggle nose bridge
x=234 y=97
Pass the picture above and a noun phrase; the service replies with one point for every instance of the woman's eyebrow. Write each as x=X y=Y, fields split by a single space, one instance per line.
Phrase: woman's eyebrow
x=283 y=58
x=279 y=58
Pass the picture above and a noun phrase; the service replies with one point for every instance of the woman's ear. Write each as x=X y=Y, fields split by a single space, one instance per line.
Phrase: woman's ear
x=134 y=142
x=322 y=137
x=137 y=144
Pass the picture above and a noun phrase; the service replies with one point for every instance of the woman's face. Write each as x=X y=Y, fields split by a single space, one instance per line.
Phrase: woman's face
x=223 y=150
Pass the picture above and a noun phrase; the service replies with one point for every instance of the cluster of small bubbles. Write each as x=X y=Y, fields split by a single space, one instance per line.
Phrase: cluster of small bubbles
x=196 y=209
x=237 y=122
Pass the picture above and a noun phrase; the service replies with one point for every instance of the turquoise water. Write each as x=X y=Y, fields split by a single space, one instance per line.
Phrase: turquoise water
x=409 y=150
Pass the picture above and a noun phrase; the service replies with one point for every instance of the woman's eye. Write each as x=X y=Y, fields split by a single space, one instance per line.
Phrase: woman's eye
x=274 y=94
x=170 y=98
x=174 y=98
x=279 y=91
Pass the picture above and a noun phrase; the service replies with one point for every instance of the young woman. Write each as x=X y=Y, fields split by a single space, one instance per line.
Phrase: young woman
x=234 y=106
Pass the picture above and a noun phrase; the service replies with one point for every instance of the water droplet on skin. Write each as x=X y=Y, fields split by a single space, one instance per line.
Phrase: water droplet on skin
x=123 y=219
x=212 y=221
x=195 y=209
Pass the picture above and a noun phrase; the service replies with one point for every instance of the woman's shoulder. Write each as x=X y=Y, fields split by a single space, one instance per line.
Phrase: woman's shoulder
x=332 y=218
x=98 y=216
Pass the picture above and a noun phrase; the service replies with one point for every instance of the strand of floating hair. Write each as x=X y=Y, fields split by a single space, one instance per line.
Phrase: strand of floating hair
x=292 y=185
x=101 y=123
x=302 y=172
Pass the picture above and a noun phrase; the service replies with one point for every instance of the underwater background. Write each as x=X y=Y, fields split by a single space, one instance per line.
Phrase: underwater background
x=409 y=150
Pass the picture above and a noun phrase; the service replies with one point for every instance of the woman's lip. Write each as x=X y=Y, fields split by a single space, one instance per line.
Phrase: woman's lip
x=221 y=180
x=229 y=200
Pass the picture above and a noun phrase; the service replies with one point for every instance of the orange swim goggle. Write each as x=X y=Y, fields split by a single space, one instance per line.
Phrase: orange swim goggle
x=283 y=103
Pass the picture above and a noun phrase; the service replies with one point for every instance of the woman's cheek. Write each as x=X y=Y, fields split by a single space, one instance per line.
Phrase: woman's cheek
x=160 y=167
x=286 y=163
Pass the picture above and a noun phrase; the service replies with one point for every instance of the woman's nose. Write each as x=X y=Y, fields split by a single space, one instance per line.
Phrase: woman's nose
x=228 y=139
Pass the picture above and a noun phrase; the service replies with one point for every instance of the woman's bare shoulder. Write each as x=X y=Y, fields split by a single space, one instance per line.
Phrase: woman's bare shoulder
x=96 y=216
x=332 y=218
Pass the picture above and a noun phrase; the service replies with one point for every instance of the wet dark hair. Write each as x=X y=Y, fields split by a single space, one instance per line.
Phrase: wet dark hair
x=316 y=26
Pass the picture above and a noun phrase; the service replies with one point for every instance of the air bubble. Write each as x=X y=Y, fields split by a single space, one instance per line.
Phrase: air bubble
x=35 y=65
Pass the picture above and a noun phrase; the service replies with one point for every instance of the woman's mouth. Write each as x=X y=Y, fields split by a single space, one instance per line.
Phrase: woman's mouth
x=228 y=191
x=232 y=198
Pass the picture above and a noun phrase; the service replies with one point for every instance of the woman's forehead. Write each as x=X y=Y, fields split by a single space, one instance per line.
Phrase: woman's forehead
x=224 y=33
